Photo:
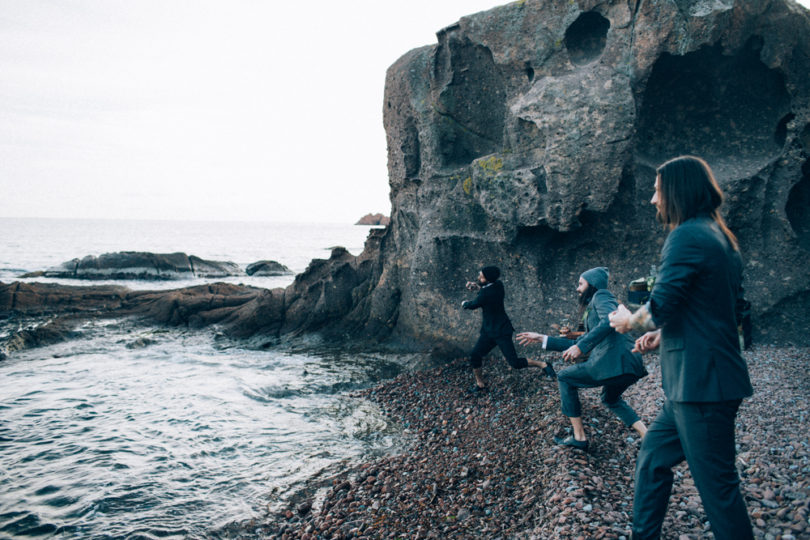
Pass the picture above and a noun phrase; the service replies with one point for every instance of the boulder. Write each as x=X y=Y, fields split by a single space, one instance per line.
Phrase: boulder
x=213 y=269
x=267 y=268
x=143 y=266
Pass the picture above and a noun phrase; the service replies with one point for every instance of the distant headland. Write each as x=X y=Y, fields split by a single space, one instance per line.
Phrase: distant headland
x=374 y=219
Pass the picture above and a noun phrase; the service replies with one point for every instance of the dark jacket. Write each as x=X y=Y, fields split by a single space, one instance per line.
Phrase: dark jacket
x=494 y=321
x=693 y=303
x=610 y=354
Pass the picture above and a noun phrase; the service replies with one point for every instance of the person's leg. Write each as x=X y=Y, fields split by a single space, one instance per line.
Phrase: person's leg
x=548 y=369
x=482 y=347
x=536 y=363
x=570 y=380
x=612 y=398
x=507 y=347
x=578 y=427
x=640 y=427
x=707 y=433
x=660 y=451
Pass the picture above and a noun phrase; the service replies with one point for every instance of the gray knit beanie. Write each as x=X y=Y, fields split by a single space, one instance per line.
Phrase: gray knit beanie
x=598 y=277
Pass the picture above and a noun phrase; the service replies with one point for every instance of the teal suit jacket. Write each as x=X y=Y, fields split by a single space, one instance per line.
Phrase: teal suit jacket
x=610 y=354
x=693 y=303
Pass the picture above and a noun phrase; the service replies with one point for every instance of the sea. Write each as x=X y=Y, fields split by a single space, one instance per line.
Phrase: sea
x=128 y=431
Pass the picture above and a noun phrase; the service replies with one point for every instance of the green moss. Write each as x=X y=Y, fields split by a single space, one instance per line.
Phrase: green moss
x=467 y=185
x=493 y=164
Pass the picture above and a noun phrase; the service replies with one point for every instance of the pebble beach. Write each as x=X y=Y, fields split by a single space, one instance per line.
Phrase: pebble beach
x=485 y=466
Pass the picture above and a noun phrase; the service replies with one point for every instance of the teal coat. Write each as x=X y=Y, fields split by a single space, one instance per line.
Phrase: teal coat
x=610 y=354
x=693 y=303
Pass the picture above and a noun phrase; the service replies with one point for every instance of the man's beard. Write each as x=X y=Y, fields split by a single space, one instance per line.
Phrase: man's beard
x=585 y=297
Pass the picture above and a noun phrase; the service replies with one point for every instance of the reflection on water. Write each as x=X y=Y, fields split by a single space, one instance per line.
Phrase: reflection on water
x=105 y=436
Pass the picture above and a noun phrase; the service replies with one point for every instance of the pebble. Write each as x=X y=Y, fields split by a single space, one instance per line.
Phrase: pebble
x=485 y=465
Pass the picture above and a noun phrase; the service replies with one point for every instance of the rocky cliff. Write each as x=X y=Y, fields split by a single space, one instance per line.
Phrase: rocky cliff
x=528 y=137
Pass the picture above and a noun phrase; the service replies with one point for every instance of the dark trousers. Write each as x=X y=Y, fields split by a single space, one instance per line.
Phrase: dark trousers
x=574 y=377
x=703 y=434
x=486 y=343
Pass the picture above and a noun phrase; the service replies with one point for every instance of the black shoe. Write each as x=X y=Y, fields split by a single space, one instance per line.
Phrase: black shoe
x=475 y=389
x=549 y=371
x=571 y=441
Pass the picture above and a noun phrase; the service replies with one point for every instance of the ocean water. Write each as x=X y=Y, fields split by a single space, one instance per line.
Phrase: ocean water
x=128 y=431
x=30 y=245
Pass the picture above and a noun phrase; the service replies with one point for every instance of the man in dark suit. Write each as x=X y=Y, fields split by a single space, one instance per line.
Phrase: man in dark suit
x=610 y=363
x=702 y=371
x=496 y=328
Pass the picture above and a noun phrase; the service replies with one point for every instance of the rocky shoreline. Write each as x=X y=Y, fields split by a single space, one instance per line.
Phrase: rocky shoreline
x=484 y=465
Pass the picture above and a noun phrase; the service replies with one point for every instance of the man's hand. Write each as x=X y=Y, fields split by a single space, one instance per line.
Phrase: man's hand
x=572 y=353
x=472 y=286
x=620 y=319
x=524 y=338
x=648 y=342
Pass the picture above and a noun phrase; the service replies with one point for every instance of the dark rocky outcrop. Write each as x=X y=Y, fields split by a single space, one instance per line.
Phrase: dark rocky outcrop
x=331 y=297
x=374 y=219
x=141 y=265
x=42 y=299
x=528 y=137
x=267 y=268
x=34 y=314
x=37 y=334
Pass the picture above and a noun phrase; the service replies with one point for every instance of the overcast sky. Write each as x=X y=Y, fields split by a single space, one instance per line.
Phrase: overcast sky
x=202 y=109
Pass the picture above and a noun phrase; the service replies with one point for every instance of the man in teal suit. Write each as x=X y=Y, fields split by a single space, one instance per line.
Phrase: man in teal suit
x=610 y=363
x=702 y=371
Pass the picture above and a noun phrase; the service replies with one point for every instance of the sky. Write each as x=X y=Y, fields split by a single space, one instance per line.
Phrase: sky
x=237 y=110
x=199 y=109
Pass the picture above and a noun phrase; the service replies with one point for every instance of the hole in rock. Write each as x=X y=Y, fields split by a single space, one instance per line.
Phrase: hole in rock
x=411 y=150
x=586 y=37
x=781 y=129
x=472 y=107
x=798 y=208
x=540 y=180
x=529 y=72
x=725 y=108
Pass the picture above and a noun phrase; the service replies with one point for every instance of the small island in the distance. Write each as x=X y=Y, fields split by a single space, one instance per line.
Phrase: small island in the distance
x=374 y=219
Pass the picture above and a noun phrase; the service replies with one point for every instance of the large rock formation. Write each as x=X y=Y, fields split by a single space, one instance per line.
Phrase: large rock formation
x=142 y=265
x=528 y=137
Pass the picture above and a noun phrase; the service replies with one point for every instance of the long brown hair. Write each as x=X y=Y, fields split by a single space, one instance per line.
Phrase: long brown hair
x=687 y=188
